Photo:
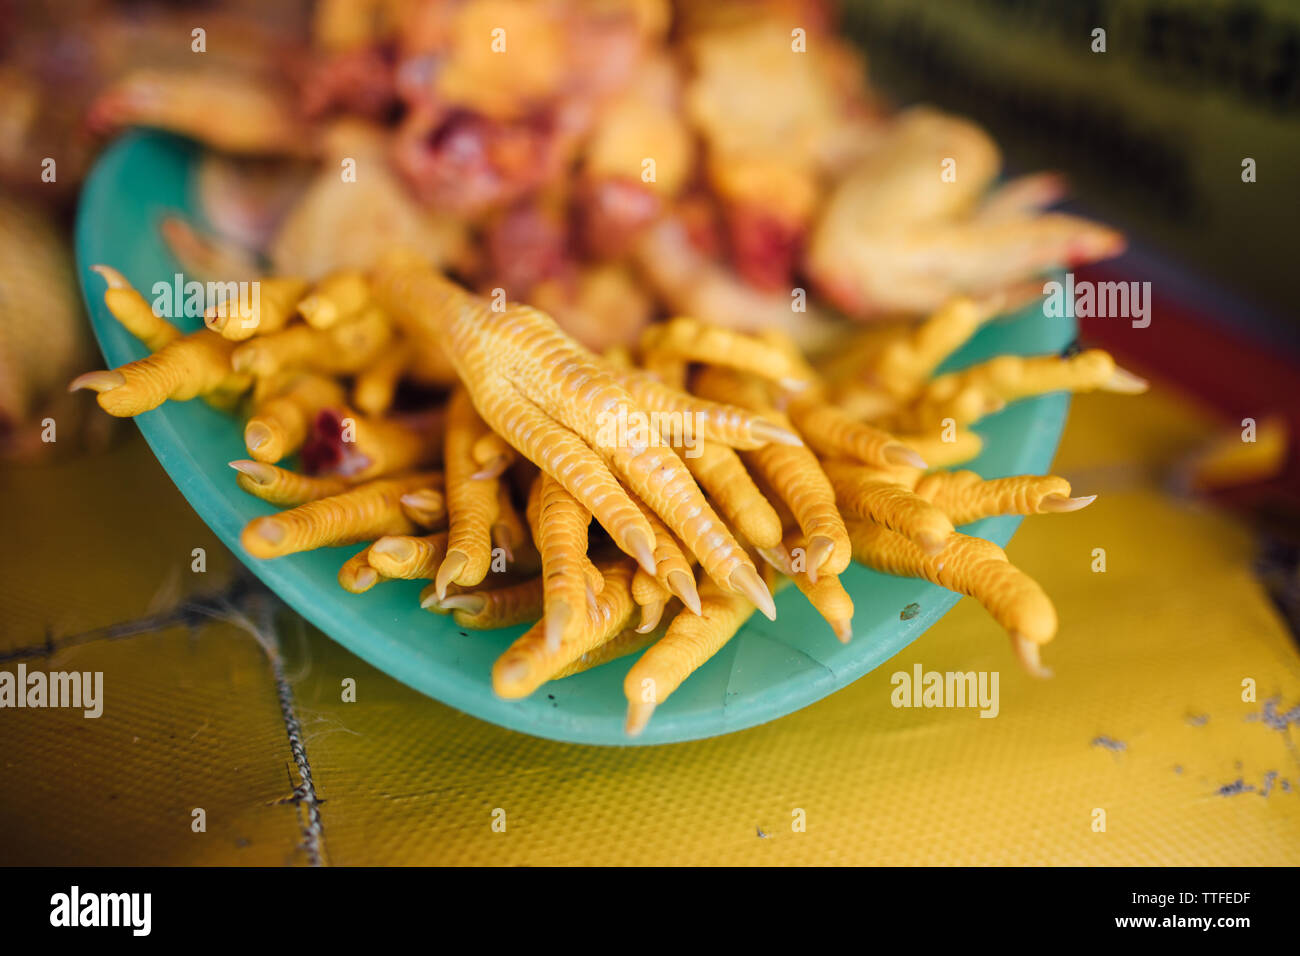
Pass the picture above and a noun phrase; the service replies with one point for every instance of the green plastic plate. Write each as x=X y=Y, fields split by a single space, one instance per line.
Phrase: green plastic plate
x=767 y=671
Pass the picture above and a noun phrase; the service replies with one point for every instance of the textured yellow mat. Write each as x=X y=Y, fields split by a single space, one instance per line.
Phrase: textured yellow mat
x=1144 y=722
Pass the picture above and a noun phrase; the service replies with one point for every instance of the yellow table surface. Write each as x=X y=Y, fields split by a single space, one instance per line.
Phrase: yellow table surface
x=1150 y=655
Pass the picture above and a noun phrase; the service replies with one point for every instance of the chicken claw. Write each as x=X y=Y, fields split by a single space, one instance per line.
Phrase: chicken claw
x=564 y=410
x=906 y=230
